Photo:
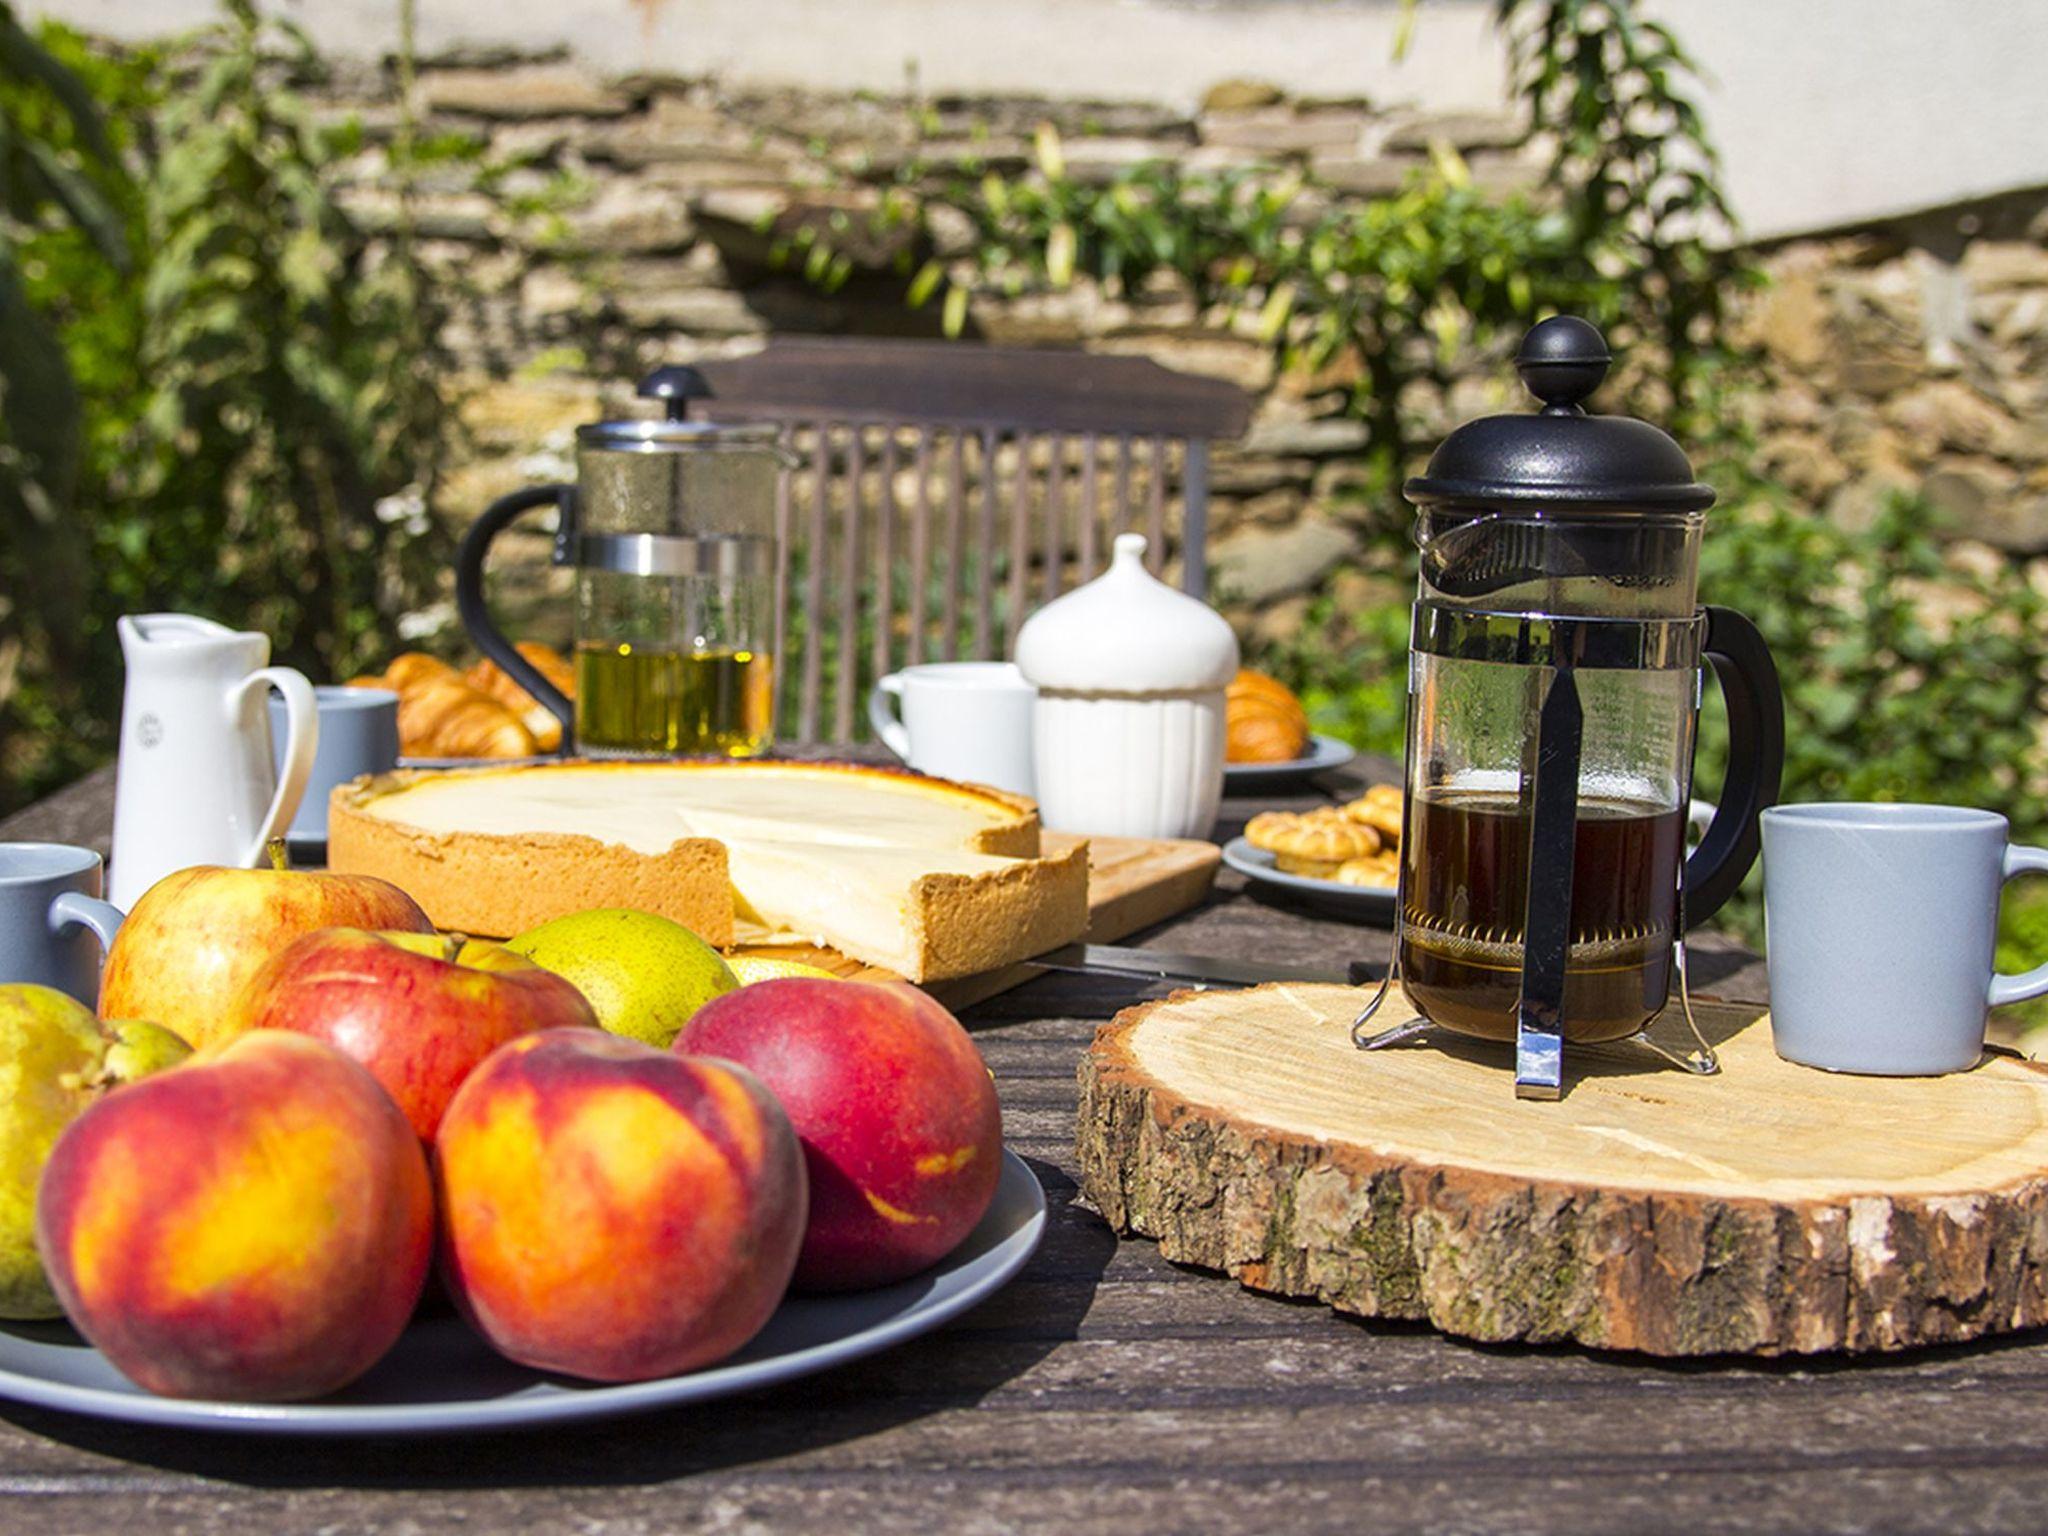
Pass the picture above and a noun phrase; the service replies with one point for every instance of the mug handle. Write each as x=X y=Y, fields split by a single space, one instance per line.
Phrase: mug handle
x=2017 y=989
x=301 y=740
x=75 y=909
x=882 y=715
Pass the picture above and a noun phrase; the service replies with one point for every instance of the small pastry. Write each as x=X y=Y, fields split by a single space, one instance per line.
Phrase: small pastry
x=1379 y=812
x=1263 y=829
x=1319 y=846
x=1263 y=721
x=1380 y=871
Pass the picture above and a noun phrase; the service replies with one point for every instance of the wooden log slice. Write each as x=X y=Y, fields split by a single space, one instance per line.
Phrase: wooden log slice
x=1771 y=1209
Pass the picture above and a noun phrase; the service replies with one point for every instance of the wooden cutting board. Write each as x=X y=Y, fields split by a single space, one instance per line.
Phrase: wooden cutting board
x=1771 y=1209
x=1132 y=884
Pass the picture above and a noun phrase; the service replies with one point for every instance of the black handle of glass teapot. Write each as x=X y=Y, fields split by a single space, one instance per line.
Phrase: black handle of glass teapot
x=476 y=614
x=1756 y=762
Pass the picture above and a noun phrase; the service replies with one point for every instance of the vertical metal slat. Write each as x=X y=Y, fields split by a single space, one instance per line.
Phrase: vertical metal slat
x=885 y=553
x=1155 y=502
x=956 y=539
x=1090 y=501
x=985 y=546
x=1020 y=543
x=779 y=656
x=816 y=553
x=1121 y=514
x=848 y=679
x=1194 y=517
x=1055 y=514
x=920 y=548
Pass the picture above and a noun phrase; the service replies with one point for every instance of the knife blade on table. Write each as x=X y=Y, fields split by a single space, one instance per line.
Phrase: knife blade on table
x=1200 y=970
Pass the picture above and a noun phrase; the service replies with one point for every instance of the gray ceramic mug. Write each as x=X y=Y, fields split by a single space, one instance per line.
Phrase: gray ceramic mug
x=358 y=735
x=53 y=925
x=1880 y=922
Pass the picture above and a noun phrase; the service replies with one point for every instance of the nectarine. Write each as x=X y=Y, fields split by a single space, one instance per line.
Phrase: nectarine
x=901 y=1131
x=253 y=1225
x=615 y=1212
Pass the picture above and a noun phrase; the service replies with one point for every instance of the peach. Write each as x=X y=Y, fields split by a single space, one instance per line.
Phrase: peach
x=420 y=1010
x=195 y=938
x=612 y=1211
x=901 y=1131
x=255 y=1225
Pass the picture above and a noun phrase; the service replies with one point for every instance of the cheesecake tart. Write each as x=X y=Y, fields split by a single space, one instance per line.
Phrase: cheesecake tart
x=921 y=876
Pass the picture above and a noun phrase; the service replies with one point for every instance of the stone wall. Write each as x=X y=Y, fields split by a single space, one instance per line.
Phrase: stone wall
x=1903 y=357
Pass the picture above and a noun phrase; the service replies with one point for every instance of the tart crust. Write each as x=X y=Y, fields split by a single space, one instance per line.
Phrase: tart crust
x=496 y=884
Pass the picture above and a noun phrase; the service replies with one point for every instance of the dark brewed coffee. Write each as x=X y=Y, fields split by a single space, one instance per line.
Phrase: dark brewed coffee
x=1466 y=879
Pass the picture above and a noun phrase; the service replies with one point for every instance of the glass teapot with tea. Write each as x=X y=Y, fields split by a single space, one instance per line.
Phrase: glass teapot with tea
x=1554 y=686
x=671 y=530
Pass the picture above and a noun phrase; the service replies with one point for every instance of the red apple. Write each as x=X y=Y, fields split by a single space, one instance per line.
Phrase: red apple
x=197 y=936
x=420 y=1010
x=901 y=1131
x=254 y=1225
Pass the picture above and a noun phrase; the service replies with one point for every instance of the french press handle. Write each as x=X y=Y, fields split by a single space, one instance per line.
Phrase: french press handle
x=476 y=614
x=1756 y=762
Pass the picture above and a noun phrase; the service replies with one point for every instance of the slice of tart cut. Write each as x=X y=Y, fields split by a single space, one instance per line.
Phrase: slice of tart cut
x=926 y=914
x=928 y=873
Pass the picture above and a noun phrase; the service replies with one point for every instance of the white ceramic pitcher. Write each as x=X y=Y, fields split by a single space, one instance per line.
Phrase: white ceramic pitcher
x=196 y=783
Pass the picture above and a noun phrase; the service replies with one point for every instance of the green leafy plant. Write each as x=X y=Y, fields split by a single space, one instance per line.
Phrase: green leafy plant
x=60 y=184
x=265 y=404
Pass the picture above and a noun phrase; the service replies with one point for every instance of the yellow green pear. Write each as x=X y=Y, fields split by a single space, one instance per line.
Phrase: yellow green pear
x=752 y=968
x=644 y=975
x=55 y=1060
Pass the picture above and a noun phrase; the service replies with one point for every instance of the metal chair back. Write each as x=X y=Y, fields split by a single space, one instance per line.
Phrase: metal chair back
x=944 y=491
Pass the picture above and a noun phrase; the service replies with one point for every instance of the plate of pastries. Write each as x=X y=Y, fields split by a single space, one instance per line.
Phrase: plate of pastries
x=449 y=716
x=1345 y=859
x=1267 y=743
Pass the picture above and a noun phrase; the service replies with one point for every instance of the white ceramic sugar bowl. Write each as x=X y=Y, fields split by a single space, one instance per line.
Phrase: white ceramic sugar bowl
x=1129 y=725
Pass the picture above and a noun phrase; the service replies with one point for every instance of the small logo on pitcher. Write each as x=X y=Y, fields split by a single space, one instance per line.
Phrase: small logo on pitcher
x=149 y=730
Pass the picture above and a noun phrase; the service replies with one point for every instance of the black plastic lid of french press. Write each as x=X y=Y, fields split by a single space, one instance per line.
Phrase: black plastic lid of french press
x=1559 y=455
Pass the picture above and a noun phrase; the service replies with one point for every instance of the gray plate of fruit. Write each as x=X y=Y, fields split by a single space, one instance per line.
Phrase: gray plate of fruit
x=636 y=1177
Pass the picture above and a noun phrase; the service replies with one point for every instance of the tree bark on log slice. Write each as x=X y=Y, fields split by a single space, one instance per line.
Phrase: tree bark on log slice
x=1772 y=1209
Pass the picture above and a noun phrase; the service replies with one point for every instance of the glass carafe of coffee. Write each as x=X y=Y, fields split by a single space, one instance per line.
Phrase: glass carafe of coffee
x=1554 y=686
x=671 y=530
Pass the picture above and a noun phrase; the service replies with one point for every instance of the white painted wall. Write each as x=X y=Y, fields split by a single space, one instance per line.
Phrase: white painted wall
x=1166 y=51
x=1829 y=112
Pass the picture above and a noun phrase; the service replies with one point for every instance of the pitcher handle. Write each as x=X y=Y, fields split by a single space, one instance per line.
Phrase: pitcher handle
x=301 y=740
x=476 y=613
x=882 y=714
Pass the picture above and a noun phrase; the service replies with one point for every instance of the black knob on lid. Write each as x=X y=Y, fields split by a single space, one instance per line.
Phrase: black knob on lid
x=675 y=386
x=1562 y=361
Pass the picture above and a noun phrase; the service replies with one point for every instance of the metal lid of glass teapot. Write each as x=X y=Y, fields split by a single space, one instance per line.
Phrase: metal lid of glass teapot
x=676 y=431
x=1559 y=456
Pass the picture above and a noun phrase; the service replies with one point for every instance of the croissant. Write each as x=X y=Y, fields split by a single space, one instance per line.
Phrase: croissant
x=445 y=717
x=441 y=715
x=1263 y=721
x=490 y=678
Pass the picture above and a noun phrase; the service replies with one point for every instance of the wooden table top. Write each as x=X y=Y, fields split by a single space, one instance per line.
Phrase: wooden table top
x=1107 y=1390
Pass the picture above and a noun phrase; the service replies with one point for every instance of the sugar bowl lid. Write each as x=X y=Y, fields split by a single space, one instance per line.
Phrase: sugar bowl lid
x=1127 y=632
x=1560 y=456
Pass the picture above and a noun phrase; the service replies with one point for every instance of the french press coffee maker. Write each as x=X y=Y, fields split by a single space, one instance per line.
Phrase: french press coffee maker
x=671 y=529
x=1554 y=686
